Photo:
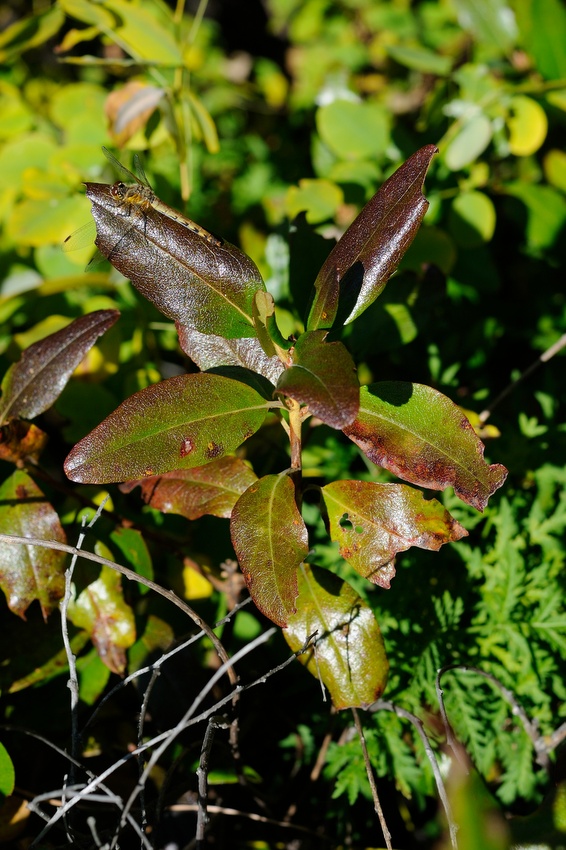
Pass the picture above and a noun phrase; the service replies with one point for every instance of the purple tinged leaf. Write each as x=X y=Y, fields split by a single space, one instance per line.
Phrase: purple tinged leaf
x=201 y=285
x=208 y=351
x=179 y=423
x=30 y=572
x=348 y=653
x=420 y=435
x=270 y=540
x=360 y=264
x=212 y=489
x=31 y=385
x=372 y=522
x=323 y=376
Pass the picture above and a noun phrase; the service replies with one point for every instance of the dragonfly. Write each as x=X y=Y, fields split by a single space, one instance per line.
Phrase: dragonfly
x=139 y=193
x=136 y=192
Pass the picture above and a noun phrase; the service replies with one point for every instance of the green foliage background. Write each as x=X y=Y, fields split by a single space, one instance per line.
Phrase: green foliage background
x=307 y=110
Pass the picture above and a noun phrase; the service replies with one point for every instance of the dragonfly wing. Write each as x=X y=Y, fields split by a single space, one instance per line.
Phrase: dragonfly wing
x=120 y=169
x=80 y=238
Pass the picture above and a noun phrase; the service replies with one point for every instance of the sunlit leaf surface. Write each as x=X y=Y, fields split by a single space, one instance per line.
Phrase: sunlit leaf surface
x=323 y=376
x=202 y=285
x=29 y=572
x=372 y=522
x=360 y=264
x=31 y=385
x=423 y=437
x=211 y=489
x=179 y=423
x=109 y=620
x=270 y=540
x=348 y=654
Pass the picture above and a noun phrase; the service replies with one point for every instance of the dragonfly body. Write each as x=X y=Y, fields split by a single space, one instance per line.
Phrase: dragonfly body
x=140 y=194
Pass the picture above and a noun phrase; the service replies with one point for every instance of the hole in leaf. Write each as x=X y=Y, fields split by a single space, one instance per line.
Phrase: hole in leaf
x=345 y=522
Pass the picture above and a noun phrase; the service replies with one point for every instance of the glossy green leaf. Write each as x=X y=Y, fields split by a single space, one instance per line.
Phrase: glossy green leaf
x=319 y=199
x=354 y=129
x=179 y=423
x=542 y=24
x=7 y=773
x=93 y=676
x=472 y=219
x=133 y=551
x=17 y=116
x=420 y=59
x=211 y=489
x=22 y=153
x=470 y=141
x=30 y=572
x=423 y=437
x=492 y=22
x=360 y=264
x=31 y=385
x=555 y=168
x=323 y=376
x=270 y=540
x=141 y=30
x=34 y=652
x=108 y=619
x=205 y=122
x=527 y=124
x=373 y=522
x=209 y=287
x=348 y=654
x=157 y=635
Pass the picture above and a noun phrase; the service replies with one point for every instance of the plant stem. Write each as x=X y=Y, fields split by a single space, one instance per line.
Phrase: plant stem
x=295 y=423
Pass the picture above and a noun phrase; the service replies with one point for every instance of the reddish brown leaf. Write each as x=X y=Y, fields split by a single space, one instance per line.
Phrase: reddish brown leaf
x=31 y=385
x=323 y=376
x=348 y=653
x=360 y=264
x=423 y=437
x=30 y=572
x=211 y=489
x=372 y=522
x=200 y=284
x=208 y=351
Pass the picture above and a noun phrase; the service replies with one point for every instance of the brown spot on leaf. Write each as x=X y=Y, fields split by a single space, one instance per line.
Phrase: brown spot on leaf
x=187 y=447
x=213 y=450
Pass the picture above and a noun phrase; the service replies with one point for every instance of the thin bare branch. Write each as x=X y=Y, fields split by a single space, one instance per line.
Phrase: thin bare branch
x=382 y=705
x=371 y=780
x=544 y=358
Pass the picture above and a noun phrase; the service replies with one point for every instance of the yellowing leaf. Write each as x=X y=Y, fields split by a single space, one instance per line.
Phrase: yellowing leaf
x=109 y=620
x=372 y=522
x=347 y=653
x=527 y=125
